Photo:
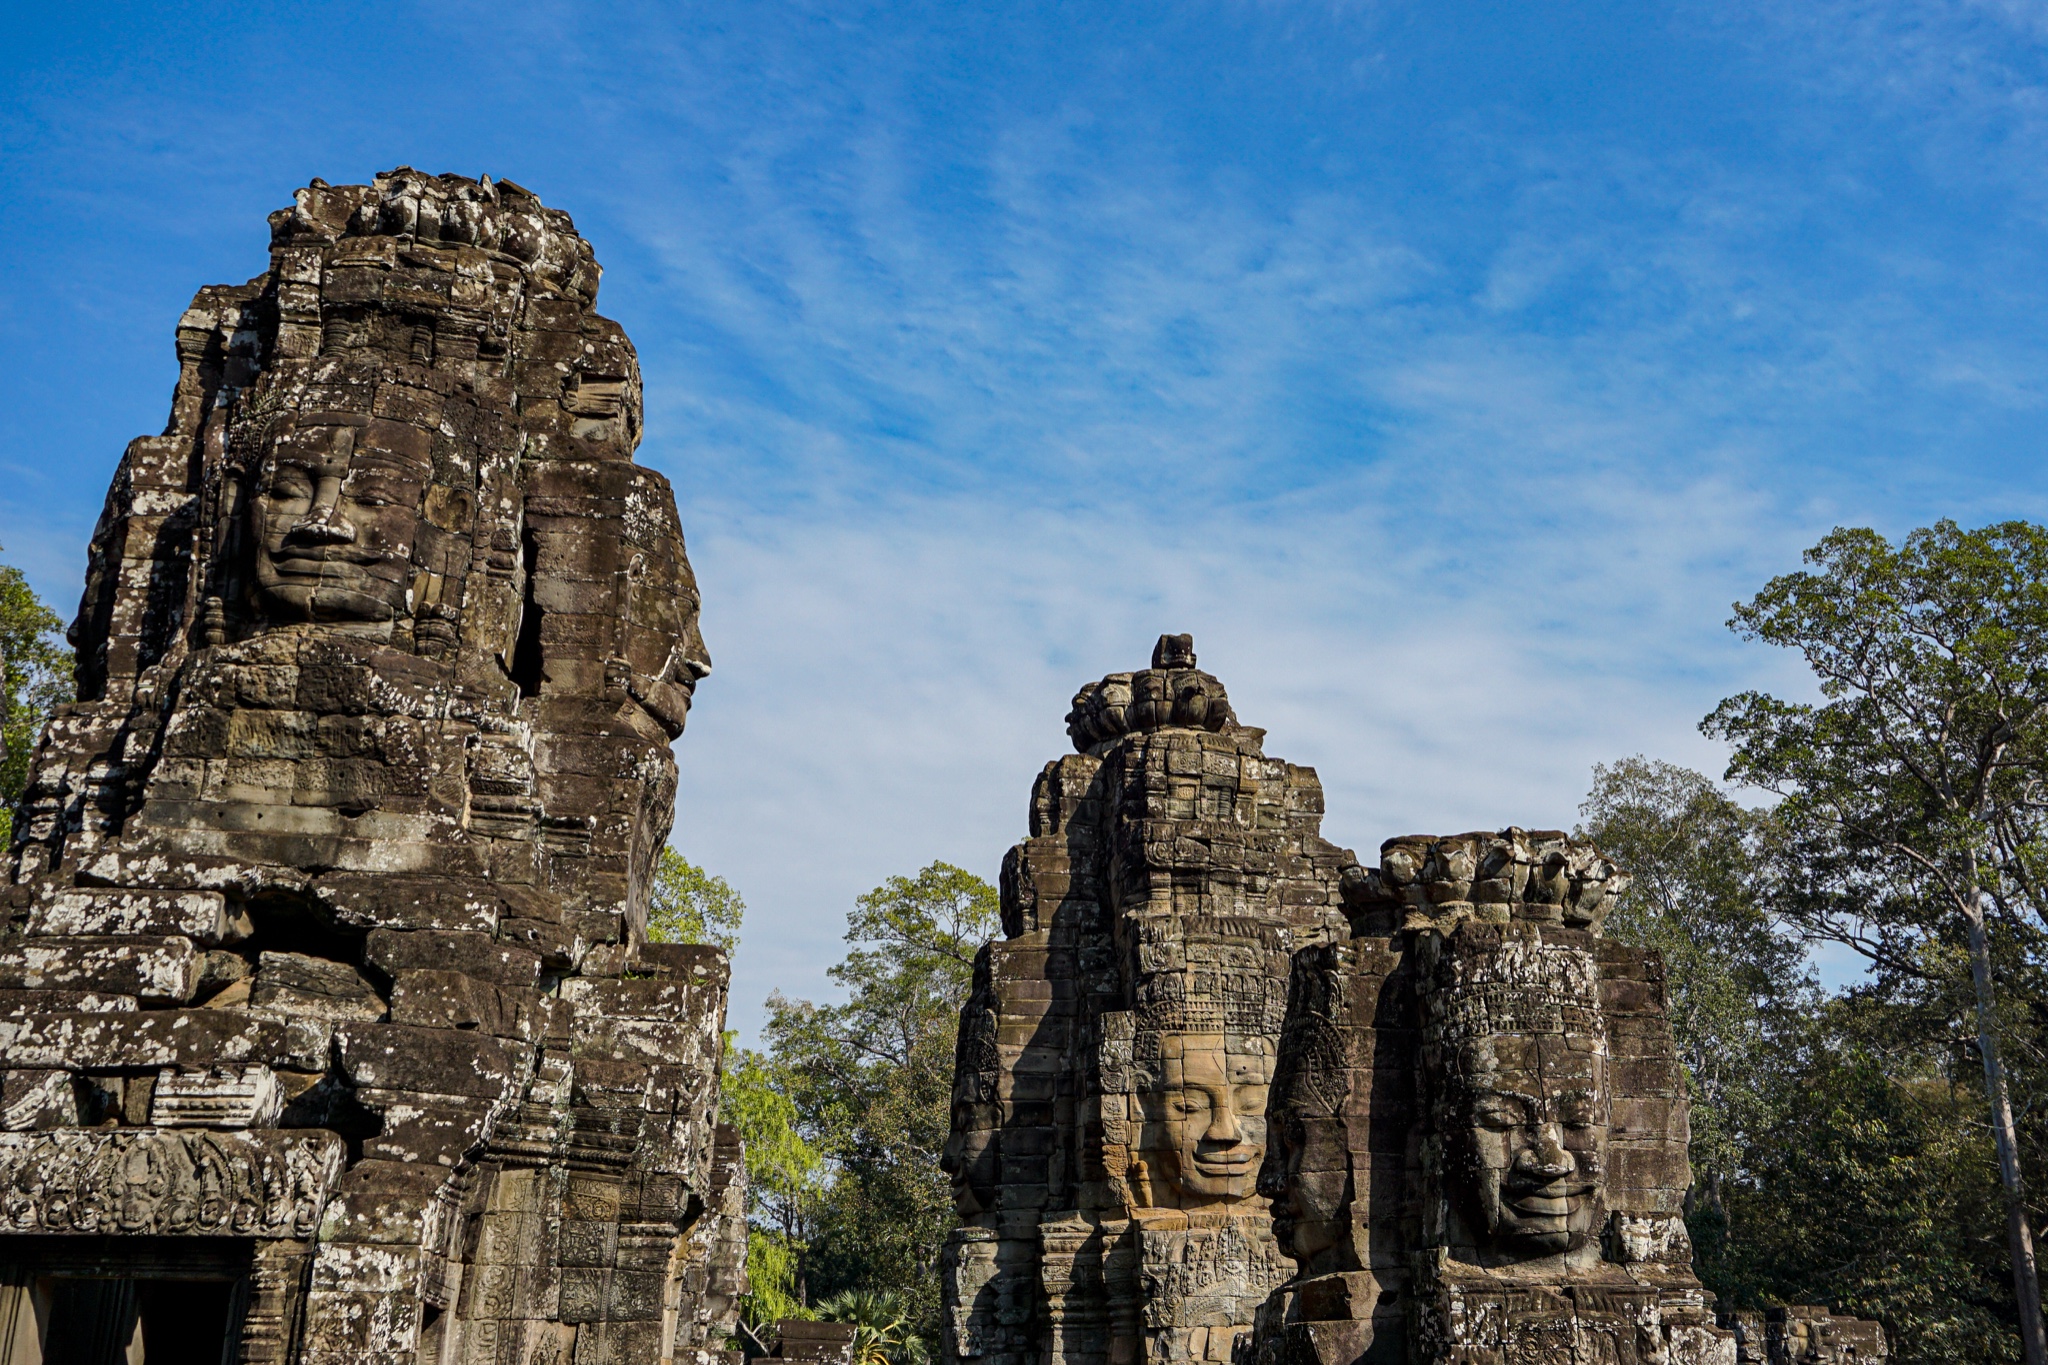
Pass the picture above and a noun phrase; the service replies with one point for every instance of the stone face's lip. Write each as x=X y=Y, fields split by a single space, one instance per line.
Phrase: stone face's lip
x=1543 y=1208
x=320 y=562
x=1554 y=1200
x=1223 y=1165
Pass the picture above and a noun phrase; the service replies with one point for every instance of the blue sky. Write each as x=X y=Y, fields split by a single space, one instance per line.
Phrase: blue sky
x=1447 y=369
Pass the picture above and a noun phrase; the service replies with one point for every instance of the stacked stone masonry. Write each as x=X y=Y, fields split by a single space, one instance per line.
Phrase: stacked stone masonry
x=1466 y=1117
x=324 y=973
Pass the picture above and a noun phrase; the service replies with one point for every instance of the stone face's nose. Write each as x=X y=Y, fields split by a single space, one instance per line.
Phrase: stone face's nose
x=693 y=655
x=325 y=525
x=1174 y=651
x=324 y=531
x=1223 y=1129
x=1548 y=1156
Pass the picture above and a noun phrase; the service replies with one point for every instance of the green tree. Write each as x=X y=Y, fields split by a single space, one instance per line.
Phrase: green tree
x=883 y=1331
x=785 y=1175
x=871 y=1080
x=1738 y=981
x=689 y=905
x=1873 y=1188
x=36 y=679
x=1914 y=791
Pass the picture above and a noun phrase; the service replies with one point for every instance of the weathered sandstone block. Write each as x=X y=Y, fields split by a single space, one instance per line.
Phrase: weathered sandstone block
x=1479 y=1125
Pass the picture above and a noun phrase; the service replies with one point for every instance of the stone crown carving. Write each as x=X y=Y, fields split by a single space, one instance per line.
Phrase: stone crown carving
x=506 y=222
x=1173 y=692
x=1543 y=876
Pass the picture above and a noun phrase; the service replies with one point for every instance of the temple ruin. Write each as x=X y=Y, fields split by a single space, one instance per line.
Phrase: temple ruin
x=1468 y=1122
x=329 y=1029
x=331 y=1033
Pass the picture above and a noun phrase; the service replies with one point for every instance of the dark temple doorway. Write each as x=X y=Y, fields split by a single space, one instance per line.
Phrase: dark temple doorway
x=122 y=1300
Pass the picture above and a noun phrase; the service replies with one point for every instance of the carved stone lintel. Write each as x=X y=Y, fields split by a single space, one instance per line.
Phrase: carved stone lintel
x=152 y=1181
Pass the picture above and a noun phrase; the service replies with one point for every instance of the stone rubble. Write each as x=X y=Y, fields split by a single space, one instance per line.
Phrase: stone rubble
x=327 y=920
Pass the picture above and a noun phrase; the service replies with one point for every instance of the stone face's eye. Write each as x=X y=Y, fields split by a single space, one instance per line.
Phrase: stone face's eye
x=1576 y=1111
x=290 y=481
x=1498 y=1112
x=379 y=488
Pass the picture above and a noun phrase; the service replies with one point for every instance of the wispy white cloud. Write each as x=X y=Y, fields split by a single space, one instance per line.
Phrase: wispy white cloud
x=983 y=348
x=1456 y=512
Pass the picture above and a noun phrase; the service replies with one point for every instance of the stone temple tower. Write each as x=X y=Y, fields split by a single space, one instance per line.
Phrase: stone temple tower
x=1110 y=1094
x=328 y=1025
x=1478 y=1129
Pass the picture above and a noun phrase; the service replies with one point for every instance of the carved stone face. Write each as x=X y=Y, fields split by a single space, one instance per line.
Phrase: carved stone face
x=970 y=1156
x=1307 y=1176
x=1526 y=1140
x=335 y=515
x=1307 y=1173
x=1205 y=1130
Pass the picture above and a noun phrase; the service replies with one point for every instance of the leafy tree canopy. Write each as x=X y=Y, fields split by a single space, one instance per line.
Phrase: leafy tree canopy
x=1912 y=793
x=36 y=680
x=1701 y=897
x=871 y=1081
x=689 y=905
x=1921 y=777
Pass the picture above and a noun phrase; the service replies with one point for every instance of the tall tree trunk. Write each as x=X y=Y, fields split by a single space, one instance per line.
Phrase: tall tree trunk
x=2026 y=1280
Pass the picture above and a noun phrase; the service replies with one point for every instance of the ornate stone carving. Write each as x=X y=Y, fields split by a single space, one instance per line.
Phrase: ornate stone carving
x=220 y=1097
x=167 y=1183
x=347 y=843
x=970 y=1157
x=1515 y=1057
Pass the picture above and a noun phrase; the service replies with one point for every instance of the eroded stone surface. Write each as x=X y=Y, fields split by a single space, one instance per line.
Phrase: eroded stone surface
x=1465 y=1113
x=1807 y=1336
x=327 y=916
x=144 y=1181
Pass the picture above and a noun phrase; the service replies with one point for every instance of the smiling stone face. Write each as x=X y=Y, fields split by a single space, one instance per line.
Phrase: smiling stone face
x=1528 y=1139
x=1521 y=1104
x=1205 y=1121
x=334 y=514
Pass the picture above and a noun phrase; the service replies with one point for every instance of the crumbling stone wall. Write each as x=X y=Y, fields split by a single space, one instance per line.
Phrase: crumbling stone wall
x=1110 y=1096
x=327 y=919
